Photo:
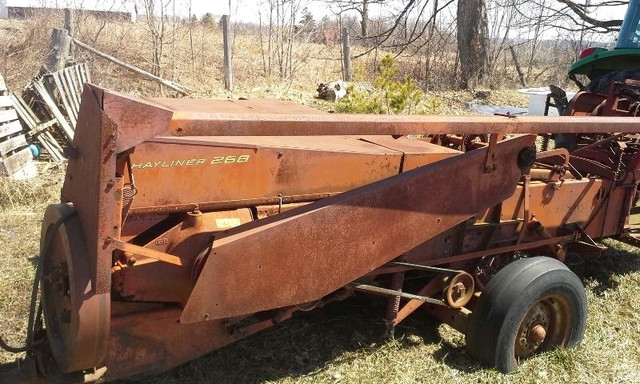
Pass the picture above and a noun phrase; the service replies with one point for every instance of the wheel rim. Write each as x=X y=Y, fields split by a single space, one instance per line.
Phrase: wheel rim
x=77 y=319
x=546 y=325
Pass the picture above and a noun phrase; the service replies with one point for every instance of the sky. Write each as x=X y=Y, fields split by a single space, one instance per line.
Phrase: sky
x=242 y=10
x=246 y=10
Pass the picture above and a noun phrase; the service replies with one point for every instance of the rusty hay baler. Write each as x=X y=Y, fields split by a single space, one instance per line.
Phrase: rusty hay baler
x=185 y=225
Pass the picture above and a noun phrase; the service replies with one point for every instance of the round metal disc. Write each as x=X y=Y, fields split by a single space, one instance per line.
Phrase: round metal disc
x=77 y=320
x=459 y=290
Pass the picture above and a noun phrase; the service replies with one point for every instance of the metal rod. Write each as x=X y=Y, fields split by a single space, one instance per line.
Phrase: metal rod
x=423 y=267
x=146 y=252
x=390 y=292
x=495 y=251
x=231 y=204
x=188 y=123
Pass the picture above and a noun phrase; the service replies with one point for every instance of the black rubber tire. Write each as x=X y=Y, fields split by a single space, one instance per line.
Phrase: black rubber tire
x=508 y=297
x=601 y=84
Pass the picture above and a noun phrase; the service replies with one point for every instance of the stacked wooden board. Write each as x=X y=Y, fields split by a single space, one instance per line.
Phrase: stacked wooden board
x=38 y=130
x=46 y=113
x=15 y=155
x=48 y=108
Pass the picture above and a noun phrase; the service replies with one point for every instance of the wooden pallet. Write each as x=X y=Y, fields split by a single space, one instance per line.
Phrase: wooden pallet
x=54 y=99
x=38 y=130
x=69 y=83
x=15 y=155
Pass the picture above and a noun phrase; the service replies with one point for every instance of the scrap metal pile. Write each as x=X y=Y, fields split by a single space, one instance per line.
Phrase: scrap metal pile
x=208 y=221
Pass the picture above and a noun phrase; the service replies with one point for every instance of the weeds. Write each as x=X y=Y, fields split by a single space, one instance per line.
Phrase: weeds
x=33 y=194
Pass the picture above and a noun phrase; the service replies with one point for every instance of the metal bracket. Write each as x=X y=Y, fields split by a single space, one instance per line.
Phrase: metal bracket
x=146 y=252
x=489 y=163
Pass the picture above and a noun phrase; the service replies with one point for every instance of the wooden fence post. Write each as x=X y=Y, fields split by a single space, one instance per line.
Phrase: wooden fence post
x=59 y=50
x=228 y=69
x=68 y=25
x=346 y=54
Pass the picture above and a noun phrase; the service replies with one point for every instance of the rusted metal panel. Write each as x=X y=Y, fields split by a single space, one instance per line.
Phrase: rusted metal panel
x=270 y=168
x=138 y=279
x=416 y=152
x=90 y=185
x=136 y=120
x=252 y=106
x=555 y=204
x=613 y=222
x=137 y=224
x=155 y=341
x=377 y=223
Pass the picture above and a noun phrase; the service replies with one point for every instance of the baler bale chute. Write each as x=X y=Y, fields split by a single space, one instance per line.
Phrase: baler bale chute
x=185 y=225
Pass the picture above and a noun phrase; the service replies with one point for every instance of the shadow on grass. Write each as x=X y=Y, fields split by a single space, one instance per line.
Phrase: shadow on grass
x=599 y=273
x=340 y=332
x=309 y=342
x=456 y=357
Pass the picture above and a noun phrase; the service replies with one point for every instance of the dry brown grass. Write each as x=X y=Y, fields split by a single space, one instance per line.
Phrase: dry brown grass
x=192 y=56
x=22 y=205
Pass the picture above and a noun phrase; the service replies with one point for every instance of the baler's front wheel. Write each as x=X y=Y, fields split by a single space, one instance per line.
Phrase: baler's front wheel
x=77 y=319
x=531 y=305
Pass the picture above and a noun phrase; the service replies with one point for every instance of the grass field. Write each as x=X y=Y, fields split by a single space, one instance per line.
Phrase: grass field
x=343 y=342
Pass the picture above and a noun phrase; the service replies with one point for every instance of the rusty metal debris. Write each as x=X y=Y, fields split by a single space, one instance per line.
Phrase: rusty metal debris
x=213 y=220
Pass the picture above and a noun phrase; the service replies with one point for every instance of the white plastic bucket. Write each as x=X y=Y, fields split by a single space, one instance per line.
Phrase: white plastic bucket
x=537 y=100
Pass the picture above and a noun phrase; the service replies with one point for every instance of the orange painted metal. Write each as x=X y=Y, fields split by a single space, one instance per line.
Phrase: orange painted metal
x=555 y=204
x=152 y=341
x=91 y=184
x=374 y=224
x=416 y=153
x=258 y=168
x=226 y=124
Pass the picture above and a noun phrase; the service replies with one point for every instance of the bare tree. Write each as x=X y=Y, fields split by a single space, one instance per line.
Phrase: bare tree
x=155 y=11
x=570 y=15
x=472 y=40
x=359 y=6
x=280 y=37
x=581 y=11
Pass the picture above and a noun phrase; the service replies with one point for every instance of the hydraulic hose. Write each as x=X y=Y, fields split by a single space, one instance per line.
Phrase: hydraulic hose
x=35 y=307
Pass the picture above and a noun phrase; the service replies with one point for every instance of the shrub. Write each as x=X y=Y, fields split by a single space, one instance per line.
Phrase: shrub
x=388 y=96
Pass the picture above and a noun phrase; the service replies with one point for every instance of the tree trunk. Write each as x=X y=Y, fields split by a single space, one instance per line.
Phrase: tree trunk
x=364 y=25
x=473 y=34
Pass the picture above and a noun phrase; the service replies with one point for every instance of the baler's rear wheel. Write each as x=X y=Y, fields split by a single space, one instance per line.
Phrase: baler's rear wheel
x=77 y=319
x=531 y=305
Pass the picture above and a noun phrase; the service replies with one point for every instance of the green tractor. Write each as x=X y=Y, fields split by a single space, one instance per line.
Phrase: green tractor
x=613 y=88
x=602 y=66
